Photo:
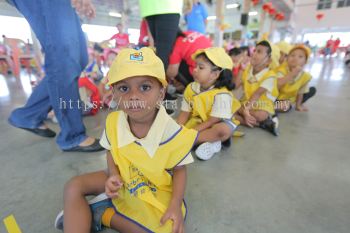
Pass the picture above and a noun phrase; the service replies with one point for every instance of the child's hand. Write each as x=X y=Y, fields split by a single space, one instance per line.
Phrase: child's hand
x=296 y=70
x=84 y=7
x=112 y=185
x=174 y=213
x=249 y=119
x=301 y=108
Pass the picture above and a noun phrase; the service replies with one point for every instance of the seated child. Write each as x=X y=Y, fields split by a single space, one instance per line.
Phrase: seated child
x=246 y=56
x=93 y=69
x=237 y=57
x=284 y=48
x=146 y=155
x=208 y=105
x=89 y=95
x=260 y=90
x=293 y=81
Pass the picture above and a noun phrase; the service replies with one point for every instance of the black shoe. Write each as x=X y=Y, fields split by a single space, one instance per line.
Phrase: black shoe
x=46 y=133
x=226 y=143
x=271 y=125
x=170 y=111
x=169 y=97
x=94 y=147
x=311 y=93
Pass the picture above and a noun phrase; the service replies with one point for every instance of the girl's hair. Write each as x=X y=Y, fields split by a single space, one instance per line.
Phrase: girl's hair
x=225 y=76
x=235 y=52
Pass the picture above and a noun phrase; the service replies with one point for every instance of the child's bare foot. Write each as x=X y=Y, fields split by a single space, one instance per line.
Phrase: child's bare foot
x=301 y=108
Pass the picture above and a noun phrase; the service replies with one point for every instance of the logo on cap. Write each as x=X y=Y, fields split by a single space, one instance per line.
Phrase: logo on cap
x=136 y=56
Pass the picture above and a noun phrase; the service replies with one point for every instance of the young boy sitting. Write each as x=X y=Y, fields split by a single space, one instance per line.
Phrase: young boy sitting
x=146 y=155
x=260 y=90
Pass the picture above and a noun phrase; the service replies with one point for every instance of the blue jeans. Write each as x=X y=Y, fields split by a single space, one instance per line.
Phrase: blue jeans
x=58 y=29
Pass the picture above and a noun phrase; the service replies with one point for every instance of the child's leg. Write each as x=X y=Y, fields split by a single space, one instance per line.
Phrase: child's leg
x=266 y=122
x=211 y=139
x=77 y=215
x=240 y=118
x=123 y=225
x=218 y=132
x=308 y=95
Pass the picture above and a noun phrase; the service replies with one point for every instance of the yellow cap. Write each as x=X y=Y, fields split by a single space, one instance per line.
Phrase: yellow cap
x=216 y=55
x=284 y=47
x=131 y=62
x=302 y=47
x=275 y=57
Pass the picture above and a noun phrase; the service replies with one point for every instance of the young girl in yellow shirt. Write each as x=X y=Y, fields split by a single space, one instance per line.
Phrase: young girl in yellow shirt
x=146 y=155
x=208 y=105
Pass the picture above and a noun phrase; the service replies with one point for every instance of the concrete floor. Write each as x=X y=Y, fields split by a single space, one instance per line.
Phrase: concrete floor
x=296 y=183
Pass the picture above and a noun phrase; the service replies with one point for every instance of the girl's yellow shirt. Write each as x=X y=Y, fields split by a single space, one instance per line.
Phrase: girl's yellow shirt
x=202 y=103
x=291 y=89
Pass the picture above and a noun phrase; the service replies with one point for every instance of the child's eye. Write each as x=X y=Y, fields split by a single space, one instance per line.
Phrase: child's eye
x=123 y=89
x=145 y=87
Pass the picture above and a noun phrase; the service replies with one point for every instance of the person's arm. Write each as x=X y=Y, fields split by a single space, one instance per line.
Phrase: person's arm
x=204 y=14
x=174 y=211
x=290 y=76
x=284 y=80
x=183 y=117
x=112 y=167
x=207 y=124
x=254 y=98
x=114 y=181
x=84 y=7
x=172 y=71
x=245 y=110
x=238 y=78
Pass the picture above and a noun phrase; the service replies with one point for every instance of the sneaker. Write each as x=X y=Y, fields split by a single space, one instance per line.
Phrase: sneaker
x=271 y=125
x=170 y=112
x=206 y=150
x=98 y=205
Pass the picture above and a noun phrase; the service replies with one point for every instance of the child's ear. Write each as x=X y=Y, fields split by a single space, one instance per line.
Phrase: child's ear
x=216 y=74
x=162 y=93
x=269 y=61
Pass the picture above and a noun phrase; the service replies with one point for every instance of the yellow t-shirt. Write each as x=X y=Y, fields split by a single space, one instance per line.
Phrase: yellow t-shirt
x=299 y=85
x=251 y=83
x=145 y=167
x=214 y=102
